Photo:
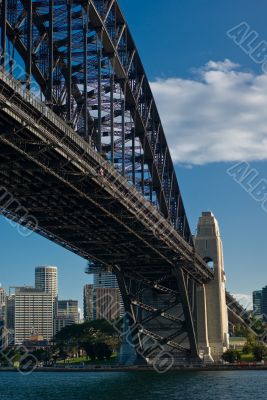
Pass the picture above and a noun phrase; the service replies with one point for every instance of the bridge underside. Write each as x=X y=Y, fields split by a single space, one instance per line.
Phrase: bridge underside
x=54 y=183
x=91 y=227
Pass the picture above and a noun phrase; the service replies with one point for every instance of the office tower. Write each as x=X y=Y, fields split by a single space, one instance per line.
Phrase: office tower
x=3 y=336
x=102 y=300
x=108 y=280
x=257 y=302
x=10 y=318
x=68 y=308
x=264 y=303
x=2 y=296
x=67 y=314
x=106 y=302
x=61 y=322
x=10 y=312
x=2 y=303
x=88 y=302
x=33 y=314
x=46 y=280
x=105 y=279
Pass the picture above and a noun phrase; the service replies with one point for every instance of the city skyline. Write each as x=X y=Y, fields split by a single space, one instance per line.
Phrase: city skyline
x=36 y=310
x=208 y=54
x=43 y=280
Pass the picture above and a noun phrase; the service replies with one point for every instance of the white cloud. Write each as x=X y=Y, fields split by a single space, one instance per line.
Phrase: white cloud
x=245 y=300
x=220 y=115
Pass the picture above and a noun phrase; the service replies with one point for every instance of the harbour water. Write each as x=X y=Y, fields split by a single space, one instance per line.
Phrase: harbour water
x=233 y=385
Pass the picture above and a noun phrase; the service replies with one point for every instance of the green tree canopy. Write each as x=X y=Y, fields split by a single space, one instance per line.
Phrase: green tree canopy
x=231 y=356
x=259 y=351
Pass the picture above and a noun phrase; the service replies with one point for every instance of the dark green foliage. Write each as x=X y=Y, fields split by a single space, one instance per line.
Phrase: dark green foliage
x=231 y=356
x=259 y=351
x=247 y=349
x=98 y=339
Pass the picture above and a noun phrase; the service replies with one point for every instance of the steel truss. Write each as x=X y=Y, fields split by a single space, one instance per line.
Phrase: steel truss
x=81 y=57
x=84 y=152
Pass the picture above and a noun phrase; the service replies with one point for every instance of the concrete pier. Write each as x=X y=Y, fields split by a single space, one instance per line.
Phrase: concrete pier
x=212 y=314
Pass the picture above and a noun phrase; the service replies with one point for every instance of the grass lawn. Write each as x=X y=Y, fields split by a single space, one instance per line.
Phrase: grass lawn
x=247 y=357
x=81 y=360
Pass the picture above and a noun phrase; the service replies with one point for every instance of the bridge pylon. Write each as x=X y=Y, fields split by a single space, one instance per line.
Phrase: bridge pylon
x=212 y=313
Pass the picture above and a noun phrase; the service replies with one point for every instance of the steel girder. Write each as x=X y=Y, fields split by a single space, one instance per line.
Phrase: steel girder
x=160 y=318
x=82 y=58
x=55 y=175
x=111 y=196
x=33 y=135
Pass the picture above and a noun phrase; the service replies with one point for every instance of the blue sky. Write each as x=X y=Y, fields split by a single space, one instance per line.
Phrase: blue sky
x=212 y=98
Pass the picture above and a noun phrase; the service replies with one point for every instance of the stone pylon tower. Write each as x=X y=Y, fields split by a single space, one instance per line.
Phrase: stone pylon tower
x=212 y=314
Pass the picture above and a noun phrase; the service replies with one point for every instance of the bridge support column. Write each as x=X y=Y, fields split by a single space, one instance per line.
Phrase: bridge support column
x=202 y=326
x=212 y=314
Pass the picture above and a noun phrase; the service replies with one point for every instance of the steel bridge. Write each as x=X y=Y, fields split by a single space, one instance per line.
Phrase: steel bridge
x=84 y=160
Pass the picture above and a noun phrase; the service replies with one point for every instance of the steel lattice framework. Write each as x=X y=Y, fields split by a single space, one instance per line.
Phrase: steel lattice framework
x=83 y=151
x=83 y=58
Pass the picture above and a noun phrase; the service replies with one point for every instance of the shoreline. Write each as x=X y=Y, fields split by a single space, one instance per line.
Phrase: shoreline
x=143 y=369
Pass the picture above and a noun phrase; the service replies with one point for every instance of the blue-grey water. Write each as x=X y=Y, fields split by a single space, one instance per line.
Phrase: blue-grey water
x=246 y=385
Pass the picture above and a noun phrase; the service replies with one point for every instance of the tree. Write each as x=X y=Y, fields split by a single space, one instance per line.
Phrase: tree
x=63 y=354
x=97 y=338
x=102 y=351
x=259 y=351
x=41 y=355
x=251 y=338
x=243 y=331
x=257 y=326
x=97 y=347
x=247 y=349
x=231 y=356
x=89 y=349
x=10 y=356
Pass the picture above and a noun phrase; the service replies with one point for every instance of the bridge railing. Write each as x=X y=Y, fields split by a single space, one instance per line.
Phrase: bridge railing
x=109 y=177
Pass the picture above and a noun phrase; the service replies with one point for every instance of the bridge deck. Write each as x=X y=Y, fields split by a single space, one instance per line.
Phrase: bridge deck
x=78 y=198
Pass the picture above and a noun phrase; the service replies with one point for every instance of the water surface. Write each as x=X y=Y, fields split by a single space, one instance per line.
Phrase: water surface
x=234 y=385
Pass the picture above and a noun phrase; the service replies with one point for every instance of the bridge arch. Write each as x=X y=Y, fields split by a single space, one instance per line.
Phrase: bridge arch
x=83 y=57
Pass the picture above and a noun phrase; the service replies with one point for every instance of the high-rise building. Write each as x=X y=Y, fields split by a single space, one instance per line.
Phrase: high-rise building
x=3 y=335
x=106 y=302
x=264 y=302
x=61 y=322
x=2 y=296
x=105 y=280
x=257 y=302
x=67 y=314
x=103 y=300
x=88 y=303
x=2 y=303
x=10 y=312
x=33 y=314
x=68 y=308
x=46 y=279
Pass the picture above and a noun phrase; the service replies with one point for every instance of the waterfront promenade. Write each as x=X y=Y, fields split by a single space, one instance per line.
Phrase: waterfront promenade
x=144 y=368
